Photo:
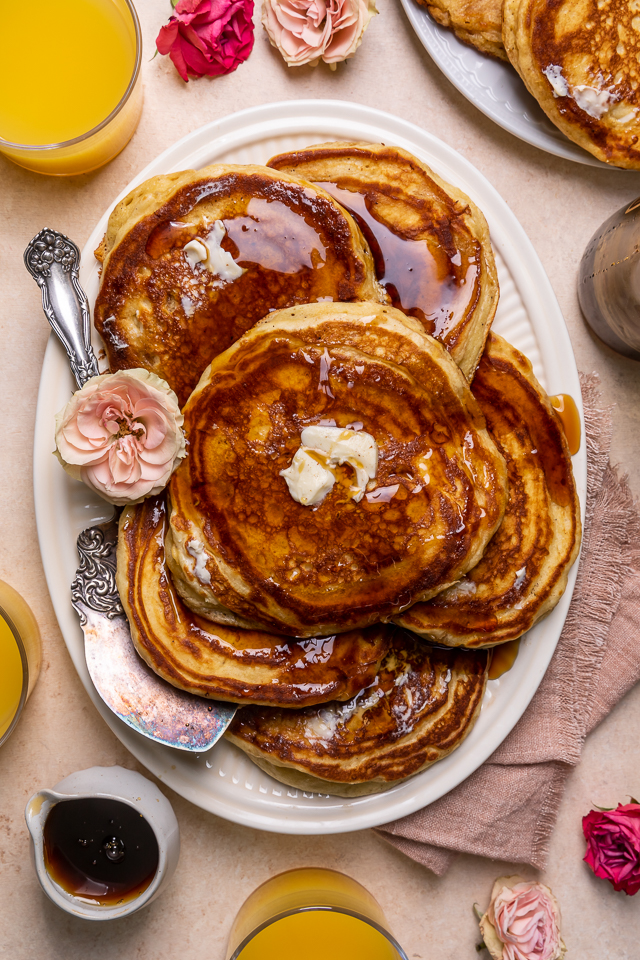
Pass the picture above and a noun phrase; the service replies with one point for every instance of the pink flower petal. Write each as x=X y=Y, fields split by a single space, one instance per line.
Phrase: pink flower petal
x=122 y=434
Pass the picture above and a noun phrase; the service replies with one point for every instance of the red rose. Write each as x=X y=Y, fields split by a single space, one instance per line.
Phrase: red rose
x=208 y=37
x=613 y=845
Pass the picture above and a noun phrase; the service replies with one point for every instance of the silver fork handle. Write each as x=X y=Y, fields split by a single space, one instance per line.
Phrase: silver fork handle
x=53 y=261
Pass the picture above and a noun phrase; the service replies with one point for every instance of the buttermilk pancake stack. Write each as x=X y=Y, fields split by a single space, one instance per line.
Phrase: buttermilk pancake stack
x=372 y=479
x=579 y=61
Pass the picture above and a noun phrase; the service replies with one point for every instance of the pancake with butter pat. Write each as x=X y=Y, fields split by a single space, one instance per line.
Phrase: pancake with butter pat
x=524 y=570
x=191 y=260
x=226 y=663
x=475 y=22
x=431 y=244
x=580 y=60
x=421 y=705
x=437 y=497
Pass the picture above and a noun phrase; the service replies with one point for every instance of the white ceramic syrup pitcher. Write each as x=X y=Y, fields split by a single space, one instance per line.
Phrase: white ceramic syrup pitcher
x=113 y=783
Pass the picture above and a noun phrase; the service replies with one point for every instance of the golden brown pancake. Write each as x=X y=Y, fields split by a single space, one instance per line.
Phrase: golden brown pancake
x=289 y=243
x=476 y=22
x=238 y=537
x=581 y=63
x=420 y=707
x=524 y=570
x=243 y=666
x=430 y=243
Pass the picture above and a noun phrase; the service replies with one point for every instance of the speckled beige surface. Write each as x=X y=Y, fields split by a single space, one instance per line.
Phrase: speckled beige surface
x=559 y=204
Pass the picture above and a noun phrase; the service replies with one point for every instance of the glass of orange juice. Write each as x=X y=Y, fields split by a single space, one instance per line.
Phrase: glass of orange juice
x=20 y=657
x=70 y=81
x=312 y=913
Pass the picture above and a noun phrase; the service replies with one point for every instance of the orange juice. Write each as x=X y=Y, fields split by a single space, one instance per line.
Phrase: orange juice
x=20 y=655
x=11 y=676
x=66 y=67
x=319 y=935
x=315 y=914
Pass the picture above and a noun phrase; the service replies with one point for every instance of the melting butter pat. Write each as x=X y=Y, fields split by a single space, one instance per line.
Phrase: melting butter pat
x=308 y=481
x=310 y=478
x=197 y=551
x=195 y=252
x=211 y=253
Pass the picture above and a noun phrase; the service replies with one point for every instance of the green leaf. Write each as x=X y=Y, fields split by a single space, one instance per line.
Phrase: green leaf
x=174 y=3
x=481 y=946
x=478 y=912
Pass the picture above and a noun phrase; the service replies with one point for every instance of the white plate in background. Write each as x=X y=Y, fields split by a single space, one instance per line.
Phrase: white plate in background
x=494 y=87
x=224 y=781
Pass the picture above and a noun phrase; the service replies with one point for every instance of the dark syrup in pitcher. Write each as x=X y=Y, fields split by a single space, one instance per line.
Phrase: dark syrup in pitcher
x=101 y=851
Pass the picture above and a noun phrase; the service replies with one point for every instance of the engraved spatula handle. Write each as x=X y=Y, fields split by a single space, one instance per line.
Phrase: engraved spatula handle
x=53 y=261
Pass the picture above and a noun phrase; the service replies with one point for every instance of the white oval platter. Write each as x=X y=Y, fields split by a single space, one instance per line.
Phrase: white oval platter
x=223 y=780
x=494 y=87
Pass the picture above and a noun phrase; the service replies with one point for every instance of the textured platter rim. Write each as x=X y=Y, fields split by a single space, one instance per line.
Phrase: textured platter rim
x=439 y=41
x=55 y=503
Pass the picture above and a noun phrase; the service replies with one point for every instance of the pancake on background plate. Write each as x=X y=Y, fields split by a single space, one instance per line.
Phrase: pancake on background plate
x=421 y=705
x=370 y=545
x=430 y=243
x=227 y=663
x=476 y=22
x=581 y=63
x=524 y=570
x=191 y=260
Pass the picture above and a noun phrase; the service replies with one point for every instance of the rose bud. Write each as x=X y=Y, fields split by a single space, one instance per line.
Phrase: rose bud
x=522 y=922
x=306 y=31
x=122 y=435
x=613 y=845
x=208 y=37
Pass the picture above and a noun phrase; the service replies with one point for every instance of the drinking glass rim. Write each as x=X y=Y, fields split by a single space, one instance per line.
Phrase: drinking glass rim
x=25 y=675
x=236 y=955
x=116 y=110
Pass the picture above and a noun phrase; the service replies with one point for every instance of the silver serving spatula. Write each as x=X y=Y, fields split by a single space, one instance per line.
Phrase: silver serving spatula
x=124 y=681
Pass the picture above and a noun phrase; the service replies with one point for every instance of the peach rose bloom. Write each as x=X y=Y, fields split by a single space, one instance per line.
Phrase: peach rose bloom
x=122 y=435
x=522 y=922
x=306 y=31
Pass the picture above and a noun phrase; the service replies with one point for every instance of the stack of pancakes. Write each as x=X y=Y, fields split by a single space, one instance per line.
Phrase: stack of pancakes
x=579 y=61
x=346 y=291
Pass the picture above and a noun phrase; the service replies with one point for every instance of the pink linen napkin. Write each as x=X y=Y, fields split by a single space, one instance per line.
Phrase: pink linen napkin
x=507 y=809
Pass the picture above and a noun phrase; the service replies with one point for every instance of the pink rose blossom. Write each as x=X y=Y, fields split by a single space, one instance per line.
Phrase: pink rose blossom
x=208 y=37
x=121 y=434
x=522 y=922
x=306 y=31
x=613 y=846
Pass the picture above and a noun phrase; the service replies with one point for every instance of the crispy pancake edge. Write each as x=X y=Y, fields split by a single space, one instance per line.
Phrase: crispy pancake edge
x=413 y=751
x=477 y=23
x=287 y=323
x=170 y=638
x=500 y=618
x=136 y=341
x=468 y=349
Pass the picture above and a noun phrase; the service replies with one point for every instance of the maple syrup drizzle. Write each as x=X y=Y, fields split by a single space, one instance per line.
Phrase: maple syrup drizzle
x=275 y=237
x=100 y=850
x=503 y=658
x=168 y=235
x=271 y=235
x=565 y=407
x=407 y=269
